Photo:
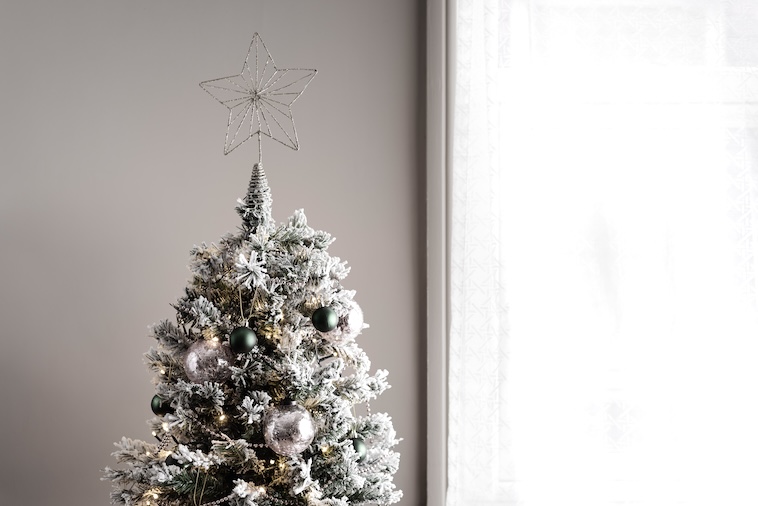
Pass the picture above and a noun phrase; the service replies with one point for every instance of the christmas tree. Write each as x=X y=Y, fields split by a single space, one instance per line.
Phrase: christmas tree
x=258 y=380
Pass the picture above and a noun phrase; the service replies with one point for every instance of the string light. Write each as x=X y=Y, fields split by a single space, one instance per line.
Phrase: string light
x=222 y=418
x=163 y=371
x=153 y=493
x=165 y=426
x=155 y=434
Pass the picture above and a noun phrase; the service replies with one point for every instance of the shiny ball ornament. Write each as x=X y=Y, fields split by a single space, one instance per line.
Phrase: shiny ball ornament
x=325 y=319
x=208 y=361
x=288 y=429
x=159 y=406
x=352 y=323
x=360 y=448
x=242 y=340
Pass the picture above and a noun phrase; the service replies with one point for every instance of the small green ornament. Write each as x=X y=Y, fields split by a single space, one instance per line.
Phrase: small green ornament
x=360 y=448
x=325 y=319
x=159 y=406
x=242 y=339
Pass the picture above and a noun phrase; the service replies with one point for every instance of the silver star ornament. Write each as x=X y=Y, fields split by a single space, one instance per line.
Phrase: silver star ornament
x=260 y=98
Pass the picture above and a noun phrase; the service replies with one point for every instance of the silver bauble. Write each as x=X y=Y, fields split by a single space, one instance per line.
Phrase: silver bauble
x=288 y=429
x=208 y=361
x=352 y=323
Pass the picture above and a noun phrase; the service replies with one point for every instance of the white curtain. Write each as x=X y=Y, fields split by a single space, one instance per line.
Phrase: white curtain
x=604 y=249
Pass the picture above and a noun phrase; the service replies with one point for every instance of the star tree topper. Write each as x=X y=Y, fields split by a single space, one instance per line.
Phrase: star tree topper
x=260 y=99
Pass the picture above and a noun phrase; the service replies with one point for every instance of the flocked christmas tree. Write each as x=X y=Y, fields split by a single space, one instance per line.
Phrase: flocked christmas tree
x=258 y=380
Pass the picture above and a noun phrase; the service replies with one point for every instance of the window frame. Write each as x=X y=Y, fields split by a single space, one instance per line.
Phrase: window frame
x=439 y=34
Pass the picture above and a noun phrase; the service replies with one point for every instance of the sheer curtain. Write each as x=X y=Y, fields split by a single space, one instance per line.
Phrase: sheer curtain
x=604 y=238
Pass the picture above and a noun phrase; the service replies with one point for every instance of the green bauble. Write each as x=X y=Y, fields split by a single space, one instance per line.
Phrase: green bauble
x=360 y=448
x=325 y=319
x=159 y=406
x=242 y=339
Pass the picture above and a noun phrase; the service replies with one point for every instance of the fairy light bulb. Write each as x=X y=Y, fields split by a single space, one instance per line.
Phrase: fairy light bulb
x=165 y=426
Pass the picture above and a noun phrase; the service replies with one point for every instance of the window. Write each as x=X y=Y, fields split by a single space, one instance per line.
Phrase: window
x=604 y=319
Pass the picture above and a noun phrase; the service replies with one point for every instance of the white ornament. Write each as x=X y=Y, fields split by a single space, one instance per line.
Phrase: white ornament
x=208 y=361
x=352 y=323
x=288 y=429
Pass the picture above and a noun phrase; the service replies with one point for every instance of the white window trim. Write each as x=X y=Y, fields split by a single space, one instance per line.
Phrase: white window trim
x=439 y=32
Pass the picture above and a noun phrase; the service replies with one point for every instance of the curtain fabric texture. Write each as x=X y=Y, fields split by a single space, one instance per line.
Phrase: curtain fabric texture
x=604 y=247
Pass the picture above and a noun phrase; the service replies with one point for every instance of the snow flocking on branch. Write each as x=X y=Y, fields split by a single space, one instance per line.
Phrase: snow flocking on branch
x=268 y=280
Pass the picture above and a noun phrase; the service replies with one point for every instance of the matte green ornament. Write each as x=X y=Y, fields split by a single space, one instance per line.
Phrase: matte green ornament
x=242 y=339
x=360 y=448
x=325 y=319
x=159 y=406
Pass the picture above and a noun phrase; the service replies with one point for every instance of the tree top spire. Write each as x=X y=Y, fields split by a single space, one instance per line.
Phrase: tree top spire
x=255 y=208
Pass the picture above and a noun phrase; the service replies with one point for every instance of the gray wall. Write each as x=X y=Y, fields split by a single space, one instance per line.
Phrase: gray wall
x=112 y=168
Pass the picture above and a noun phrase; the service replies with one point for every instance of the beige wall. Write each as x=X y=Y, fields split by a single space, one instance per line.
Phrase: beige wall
x=112 y=168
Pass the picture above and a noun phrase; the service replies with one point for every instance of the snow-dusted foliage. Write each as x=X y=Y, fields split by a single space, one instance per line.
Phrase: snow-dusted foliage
x=270 y=278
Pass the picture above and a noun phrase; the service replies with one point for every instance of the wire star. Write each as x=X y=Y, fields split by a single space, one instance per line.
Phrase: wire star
x=260 y=99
